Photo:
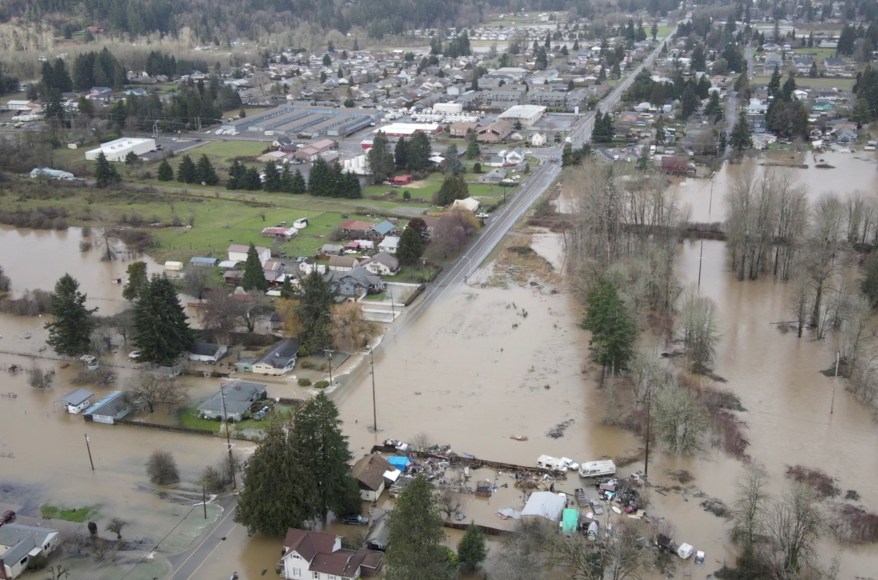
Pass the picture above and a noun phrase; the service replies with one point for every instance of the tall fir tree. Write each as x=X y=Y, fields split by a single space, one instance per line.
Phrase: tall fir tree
x=161 y=329
x=379 y=158
x=137 y=280
x=315 y=313
x=415 y=536
x=471 y=550
x=165 y=171
x=271 y=182
x=612 y=326
x=419 y=152
x=204 y=172
x=186 y=171
x=105 y=174
x=254 y=275
x=322 y=457
x=411 y=247
x=72 y=324
x=298 y=183
x=319 y=178
x=401 y=153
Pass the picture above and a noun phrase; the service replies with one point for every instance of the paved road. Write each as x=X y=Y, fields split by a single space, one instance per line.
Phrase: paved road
x=187 y=564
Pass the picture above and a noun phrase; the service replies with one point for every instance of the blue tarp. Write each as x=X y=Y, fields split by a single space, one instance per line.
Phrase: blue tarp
x=400 y=462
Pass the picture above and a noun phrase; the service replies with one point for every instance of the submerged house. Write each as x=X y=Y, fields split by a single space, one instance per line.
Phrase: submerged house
x=20 y=543
x=77 y=400
x=370 y=471
x=316 y=555
x=280 y=360
x=112 y=408
x=234 y=400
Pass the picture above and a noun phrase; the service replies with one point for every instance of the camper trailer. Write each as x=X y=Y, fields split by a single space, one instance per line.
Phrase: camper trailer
x=552 y=464
x=601 y=468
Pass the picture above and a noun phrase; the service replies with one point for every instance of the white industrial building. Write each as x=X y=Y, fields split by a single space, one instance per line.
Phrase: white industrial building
x=448 y=108
x=527 y=115
x=406 y=130
x=118 y=149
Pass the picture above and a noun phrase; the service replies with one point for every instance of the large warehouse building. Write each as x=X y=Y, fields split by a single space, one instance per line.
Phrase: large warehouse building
x=118 y=149
x=527 y=115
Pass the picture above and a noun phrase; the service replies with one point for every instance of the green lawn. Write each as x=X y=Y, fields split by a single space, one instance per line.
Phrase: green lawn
x=189 y=417
x=807 y=82
x=226 y=151
x=69 y=514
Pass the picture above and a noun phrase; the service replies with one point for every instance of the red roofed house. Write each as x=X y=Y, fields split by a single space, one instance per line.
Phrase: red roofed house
x=356 y=228
x=401 y=180
x=318 y=556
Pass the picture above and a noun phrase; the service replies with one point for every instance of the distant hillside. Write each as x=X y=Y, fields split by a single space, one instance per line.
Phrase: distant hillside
x=231 y=19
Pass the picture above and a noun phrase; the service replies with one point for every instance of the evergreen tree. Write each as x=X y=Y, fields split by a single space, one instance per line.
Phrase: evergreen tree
x=319 y=178
x=272 y=180
x=741 y=137
x=165 y=171
x=251 y=181
x=472 y=146
x=379 y=158
x=541 y=59
x=411 y=247
x=774 y=83
x=471 y=550
x=254 y=275
x=236 y=174
x=286 y=179
x=273 y=497
x=205 y=173
x=401 y=154
x=419 y=152
x=137 y=280
x=105 y=174
x=612 y=326
x=315 y=314
x=70 y=330
x=322 y=457
x=453 y=187
x=161 y=330
x=186 y=171
x=415 y=536
x=714 y=108
x=688 y=101
x=298 y=183
x=453 y=166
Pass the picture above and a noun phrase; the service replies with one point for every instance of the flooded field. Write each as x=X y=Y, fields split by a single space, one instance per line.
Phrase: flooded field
x=489 y=363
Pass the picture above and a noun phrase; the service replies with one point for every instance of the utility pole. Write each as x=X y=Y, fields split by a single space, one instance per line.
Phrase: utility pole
x=329 y=352
x=88 y=447
x=228 y=439
x=392 y=307
x=832 y=405
x=701 y=250
x=648 y=413
x=374 y=407
x=204 y=499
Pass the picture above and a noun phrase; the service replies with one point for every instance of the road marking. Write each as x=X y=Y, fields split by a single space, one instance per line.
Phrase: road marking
x=229 y=512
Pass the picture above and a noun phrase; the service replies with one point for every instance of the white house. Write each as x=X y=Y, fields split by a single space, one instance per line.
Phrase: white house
x=77 y=400
x=318 y=556
x=389 y=244
x=382 y=264
x=207 y=352
x=342 y=263
x=279 y=360
x=538 y=140
x=20 y=543
x=369 y=472
x=469 y=204
x=238 y=253
x=118 y=149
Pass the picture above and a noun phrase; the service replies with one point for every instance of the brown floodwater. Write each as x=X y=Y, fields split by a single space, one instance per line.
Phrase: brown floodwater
x=853 y=172
x=482 y=365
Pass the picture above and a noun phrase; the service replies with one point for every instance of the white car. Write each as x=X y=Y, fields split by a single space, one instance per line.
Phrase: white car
x=134 y=354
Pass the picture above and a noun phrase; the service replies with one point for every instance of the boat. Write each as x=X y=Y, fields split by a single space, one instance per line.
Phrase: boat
x=519 y=437
x=601 y=468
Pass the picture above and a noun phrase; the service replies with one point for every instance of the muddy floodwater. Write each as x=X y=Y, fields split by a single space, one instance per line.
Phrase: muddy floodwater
x=490 y=362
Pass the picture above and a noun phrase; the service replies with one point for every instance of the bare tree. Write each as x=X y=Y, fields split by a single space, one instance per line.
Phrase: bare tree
x=679 y=421
x=197 y=280
x=579 y=555
x=525 y=554
x=750 y=505
x=421 y=441
x=115 y=526
x=800 y=301
x=794 y=525
x=150 y=390
x=449 y=502
x=161 y=468
x=823 y=252
x=39 y=379
x=622 y=553
x=698 y=328
x=349 y=329
x=219 y=313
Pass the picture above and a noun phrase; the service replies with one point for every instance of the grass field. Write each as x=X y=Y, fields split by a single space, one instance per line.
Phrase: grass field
x=68 y=514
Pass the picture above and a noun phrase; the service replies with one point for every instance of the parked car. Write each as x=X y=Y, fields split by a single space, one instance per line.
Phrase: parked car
x=355 y=520
x=134 y=354
x=91 y=363
x=261 y=413
x=7 y=517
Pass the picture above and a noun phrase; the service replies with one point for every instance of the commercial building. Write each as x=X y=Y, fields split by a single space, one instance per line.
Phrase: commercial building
x=527 y=115
x=118 y=149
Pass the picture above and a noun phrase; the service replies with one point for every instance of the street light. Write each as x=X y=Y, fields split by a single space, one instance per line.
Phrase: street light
x=329 y=352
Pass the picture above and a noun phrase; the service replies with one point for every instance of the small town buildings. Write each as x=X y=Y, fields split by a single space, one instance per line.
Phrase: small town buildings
x=112 y=408
x=355 y=228
x=319 y=556
x=396 y=130
x=382 y=264
x=77 y=400
x=278 y=361
x=389 y=244
x=238 y=253
x=234 y=399
x=118 y=149
x=207 y=352
x=20 y=543
x=314 y=150
x=331 y=250
x=203 y=261
x=369 y=472
x=378 y=536
x=22 y=106
x=469 y=204
x=462 y=128
x=401 y=180
x=280 y=233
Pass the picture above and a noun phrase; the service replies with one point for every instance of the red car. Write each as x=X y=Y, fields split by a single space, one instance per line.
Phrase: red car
x=7 y=517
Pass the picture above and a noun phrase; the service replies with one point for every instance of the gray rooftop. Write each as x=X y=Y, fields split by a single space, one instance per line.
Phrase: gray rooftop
x=20 y=540
x=76 y=397
x=239 y=395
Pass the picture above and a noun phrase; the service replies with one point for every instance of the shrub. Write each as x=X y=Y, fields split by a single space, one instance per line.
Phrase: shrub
x=303 y=382
x=321 y=384
x=162 y=469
